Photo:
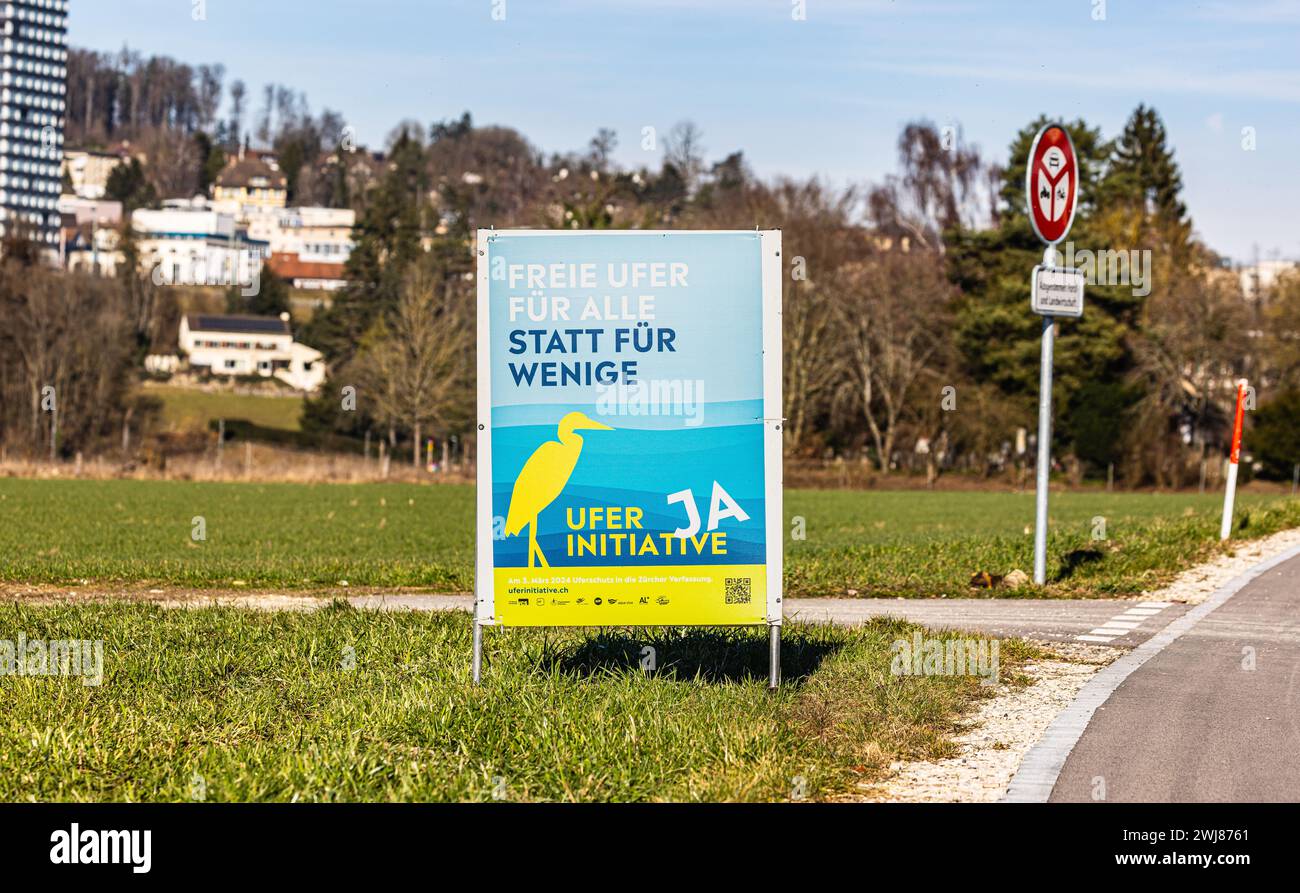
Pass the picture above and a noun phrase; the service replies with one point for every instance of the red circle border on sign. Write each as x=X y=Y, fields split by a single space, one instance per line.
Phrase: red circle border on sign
x=1052 y=135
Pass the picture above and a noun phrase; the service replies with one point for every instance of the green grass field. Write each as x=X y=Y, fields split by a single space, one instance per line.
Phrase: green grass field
x=340 y=704
x=855 y=543
x=189 y=409
x=194 y=703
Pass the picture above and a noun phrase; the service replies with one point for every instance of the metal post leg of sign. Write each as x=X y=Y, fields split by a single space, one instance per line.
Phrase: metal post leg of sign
x=1044 y=450
x=476 y=663
x=774 y=656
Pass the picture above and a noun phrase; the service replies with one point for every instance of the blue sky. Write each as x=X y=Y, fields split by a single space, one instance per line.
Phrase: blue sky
x=826 y=96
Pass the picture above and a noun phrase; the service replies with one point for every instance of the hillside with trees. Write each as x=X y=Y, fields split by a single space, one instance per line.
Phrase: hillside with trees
x=908 y=337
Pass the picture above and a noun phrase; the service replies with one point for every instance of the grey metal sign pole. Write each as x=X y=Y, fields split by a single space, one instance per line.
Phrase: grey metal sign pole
x=1044 y=437
x=1051 y=193
x=774 y=656
x=476 y=661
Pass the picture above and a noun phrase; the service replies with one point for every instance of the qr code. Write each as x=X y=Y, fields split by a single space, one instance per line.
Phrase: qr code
x=737 y=590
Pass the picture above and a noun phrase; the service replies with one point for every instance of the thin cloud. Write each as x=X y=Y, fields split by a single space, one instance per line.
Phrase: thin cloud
x=814 y=9
x=1278 y=85
x=1264 y=12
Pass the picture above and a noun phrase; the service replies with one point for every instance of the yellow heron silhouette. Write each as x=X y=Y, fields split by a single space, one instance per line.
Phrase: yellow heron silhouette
x=543 y=477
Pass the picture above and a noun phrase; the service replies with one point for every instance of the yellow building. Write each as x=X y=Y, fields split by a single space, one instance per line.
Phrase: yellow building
x=249 y=181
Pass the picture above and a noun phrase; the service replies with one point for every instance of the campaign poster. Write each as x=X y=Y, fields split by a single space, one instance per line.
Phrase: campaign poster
x=629 y=428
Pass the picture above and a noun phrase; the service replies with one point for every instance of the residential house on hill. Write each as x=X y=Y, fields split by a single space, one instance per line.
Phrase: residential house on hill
x=250 y=345
x=88 y=170
x=306 y=274
x=250 y=181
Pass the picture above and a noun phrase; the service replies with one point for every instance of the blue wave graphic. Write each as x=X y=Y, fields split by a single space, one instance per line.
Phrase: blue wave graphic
x=710 y=415
x=651 y=464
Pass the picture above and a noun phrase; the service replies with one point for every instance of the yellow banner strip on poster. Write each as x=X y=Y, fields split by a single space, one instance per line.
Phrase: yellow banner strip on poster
x=676 y=595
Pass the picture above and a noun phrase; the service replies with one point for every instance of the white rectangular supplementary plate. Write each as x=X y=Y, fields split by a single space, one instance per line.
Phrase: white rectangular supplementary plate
x=629 y=428
x=1057 y=291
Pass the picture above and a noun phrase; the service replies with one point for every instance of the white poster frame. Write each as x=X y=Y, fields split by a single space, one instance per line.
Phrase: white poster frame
x=773 y=422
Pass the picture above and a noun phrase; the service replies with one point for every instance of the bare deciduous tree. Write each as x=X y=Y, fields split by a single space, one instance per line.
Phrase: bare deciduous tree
x=818 y=237
x=1189 y=355
x=1282 y=331
x=414 y=365
x=894 y=312
x=70 y=334
x=944 y=183
x=684 y=150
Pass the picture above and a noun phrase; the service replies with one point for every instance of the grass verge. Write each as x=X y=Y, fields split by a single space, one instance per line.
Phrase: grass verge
x=1100 y=546
x=343 y=704
x=303 y=536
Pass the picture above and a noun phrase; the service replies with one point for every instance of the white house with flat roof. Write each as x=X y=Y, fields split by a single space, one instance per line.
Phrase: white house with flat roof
x=250 y=345
x=192 y=244
x=315 y=235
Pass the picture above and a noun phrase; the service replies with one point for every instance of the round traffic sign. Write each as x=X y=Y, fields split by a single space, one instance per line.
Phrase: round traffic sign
x=1052 y=183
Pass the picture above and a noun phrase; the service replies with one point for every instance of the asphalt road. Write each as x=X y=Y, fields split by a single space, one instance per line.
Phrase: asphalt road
x=1214 y=716
x=1053 y=620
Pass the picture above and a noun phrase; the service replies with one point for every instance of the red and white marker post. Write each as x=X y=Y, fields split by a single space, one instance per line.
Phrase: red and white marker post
x=1230 y=492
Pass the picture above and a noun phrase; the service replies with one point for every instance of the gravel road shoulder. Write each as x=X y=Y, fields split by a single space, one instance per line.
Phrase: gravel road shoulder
x=1196 y=584
x=997 y=735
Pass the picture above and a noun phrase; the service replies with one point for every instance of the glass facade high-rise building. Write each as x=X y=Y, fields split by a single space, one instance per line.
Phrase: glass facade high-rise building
x=33 y=102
